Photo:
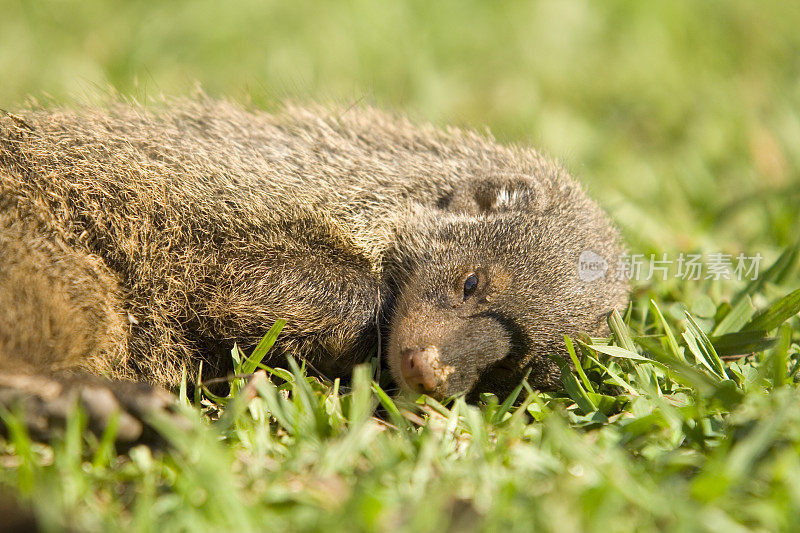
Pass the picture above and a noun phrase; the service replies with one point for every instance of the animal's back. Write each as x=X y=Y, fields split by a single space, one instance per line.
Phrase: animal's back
x=211 y=219
x=357 y=167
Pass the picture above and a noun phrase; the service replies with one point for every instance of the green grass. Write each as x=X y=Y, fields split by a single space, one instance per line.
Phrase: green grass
x=681 y=118
x=648 y=434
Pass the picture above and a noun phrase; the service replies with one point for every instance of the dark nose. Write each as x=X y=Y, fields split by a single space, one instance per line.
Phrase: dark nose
x=418 y=367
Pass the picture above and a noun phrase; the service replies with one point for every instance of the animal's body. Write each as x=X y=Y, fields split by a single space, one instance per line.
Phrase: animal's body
x=135 y=242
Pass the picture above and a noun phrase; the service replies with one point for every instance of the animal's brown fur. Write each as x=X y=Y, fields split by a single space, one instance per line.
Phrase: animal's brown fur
x=136 y=241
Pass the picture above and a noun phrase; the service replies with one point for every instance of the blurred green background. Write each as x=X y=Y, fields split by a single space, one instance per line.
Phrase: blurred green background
x=681 y=117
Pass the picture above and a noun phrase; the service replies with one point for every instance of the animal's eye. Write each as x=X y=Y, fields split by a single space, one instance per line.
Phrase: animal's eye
x=470 y=284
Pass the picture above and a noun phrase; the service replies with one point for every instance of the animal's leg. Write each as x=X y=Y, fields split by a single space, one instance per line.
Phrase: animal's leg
x=61 y=320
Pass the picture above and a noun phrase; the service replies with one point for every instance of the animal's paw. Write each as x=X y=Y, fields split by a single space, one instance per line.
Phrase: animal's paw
x=45 y=403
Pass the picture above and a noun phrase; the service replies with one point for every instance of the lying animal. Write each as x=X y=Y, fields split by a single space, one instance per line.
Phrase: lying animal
x=137 y=241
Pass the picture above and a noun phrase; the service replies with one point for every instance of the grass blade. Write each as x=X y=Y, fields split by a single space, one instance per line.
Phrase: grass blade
x=736 y=318
x=671 y=342
x=620 y=331
x=707 y=353
x=267 y=341
x=783 y=264
x=776 y=314
x=577 y=363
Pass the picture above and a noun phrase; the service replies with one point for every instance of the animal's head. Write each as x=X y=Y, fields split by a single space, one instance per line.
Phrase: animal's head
x=485 y=290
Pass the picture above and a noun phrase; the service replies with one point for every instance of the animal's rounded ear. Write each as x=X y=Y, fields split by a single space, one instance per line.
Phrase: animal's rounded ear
x=493 y=194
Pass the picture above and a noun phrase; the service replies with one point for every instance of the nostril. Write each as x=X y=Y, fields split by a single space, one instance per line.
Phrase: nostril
x=418 y=368
x=408 y=365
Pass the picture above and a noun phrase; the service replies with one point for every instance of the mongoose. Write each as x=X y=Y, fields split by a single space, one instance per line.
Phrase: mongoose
x=136 y=241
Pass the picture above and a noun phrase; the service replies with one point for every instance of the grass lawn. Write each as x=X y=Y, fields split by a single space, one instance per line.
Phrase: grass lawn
x=681 y=117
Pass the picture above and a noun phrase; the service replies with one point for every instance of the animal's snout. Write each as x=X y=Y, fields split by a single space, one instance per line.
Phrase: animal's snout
x=421 y=368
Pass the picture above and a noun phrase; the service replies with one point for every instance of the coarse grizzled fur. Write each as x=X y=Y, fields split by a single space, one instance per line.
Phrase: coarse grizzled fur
x=137 y=241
